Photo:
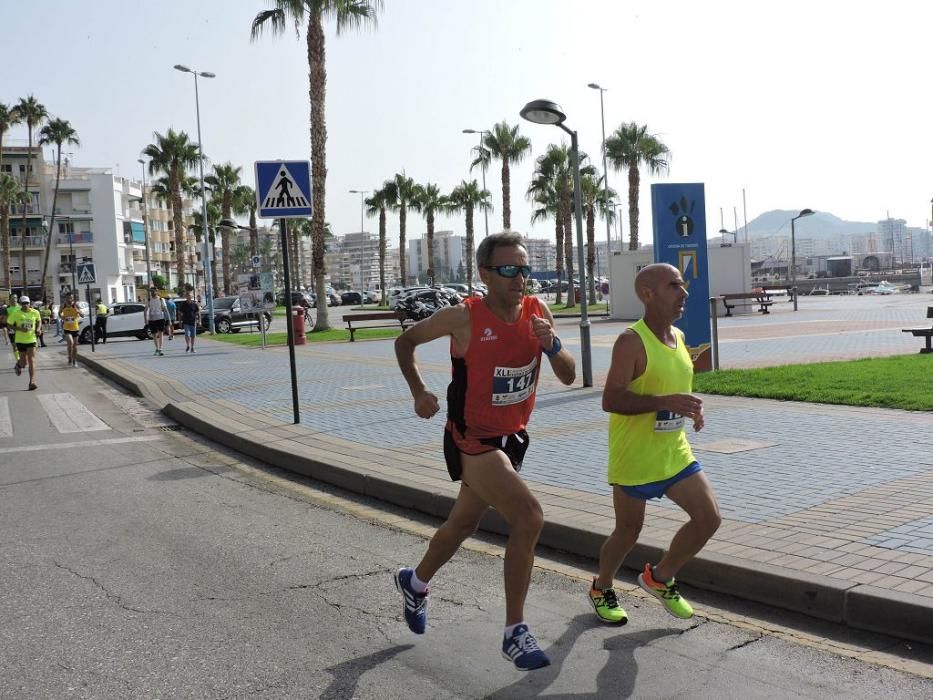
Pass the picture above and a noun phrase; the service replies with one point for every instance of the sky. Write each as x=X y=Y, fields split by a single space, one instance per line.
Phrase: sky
x=816 y=104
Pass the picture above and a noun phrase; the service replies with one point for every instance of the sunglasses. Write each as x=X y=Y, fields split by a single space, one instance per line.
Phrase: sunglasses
x=510 y=271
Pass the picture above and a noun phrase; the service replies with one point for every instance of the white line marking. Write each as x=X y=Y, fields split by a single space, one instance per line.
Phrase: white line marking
x=69 y=415
x=83 y=443
x=6 y=423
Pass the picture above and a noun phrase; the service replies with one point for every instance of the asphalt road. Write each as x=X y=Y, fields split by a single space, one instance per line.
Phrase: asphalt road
x=141 y=563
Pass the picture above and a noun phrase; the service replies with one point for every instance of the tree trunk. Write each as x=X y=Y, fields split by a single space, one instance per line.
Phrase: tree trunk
x=633 y=183
x=5 y=244
x=469 y=245
x=48 y=240
x=382 y=254
x=253 y=233
x=506 y=196
x=402 y=217
x=226 y=206
x=212 y=242
x=178 y=223
x=430 y=265
x=317 y=92
x=559 y=251
x=568 y=247
x=591 y=250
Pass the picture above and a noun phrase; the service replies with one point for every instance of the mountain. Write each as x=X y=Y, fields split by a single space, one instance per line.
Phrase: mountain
x=819 y=225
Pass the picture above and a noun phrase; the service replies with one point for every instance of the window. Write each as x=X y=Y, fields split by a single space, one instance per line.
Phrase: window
x=66 y=227
x=7 y=168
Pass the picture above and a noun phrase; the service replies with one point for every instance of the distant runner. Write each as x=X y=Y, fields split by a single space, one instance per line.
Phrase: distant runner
x=28 y=323
x=71 y=316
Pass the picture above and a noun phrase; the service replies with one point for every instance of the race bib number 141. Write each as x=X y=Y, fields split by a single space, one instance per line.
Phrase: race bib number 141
x=511 y=385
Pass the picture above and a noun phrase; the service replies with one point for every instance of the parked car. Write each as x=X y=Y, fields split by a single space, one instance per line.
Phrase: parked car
x=231 y=317
x=126 y=319
x=350 y=298
x=298 y=299
x=333 y=299
x=372 y=296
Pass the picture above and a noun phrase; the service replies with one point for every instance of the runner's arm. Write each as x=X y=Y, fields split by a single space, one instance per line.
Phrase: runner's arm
x=627 y=354
x=563 y=364
x=451 y=320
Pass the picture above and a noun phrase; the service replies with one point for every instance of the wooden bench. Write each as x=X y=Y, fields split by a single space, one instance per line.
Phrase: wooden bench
x=923 y=332
x=389 y=319
x=763 y=299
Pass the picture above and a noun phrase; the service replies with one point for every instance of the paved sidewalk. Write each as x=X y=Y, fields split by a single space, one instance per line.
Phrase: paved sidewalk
x=827 y=510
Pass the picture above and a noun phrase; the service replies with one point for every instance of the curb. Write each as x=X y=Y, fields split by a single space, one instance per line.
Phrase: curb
x=857 y=606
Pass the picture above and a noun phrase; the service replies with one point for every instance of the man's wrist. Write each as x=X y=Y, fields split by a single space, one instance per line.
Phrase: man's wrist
x=555 y=347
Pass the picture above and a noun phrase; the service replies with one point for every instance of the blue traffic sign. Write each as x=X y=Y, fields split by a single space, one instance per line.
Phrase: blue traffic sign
x=283 y=189
x=87 y=274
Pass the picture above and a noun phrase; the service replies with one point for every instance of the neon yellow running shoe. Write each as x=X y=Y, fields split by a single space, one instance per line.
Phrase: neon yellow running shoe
x=606 y=605
x=667 y=593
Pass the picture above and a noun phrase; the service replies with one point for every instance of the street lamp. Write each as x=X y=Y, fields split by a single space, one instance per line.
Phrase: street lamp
x=793 y=251
x=145 y=224
x=361 y=193
x=208 y=292
x=481 y=132
x=547 y=112
x=602 y=115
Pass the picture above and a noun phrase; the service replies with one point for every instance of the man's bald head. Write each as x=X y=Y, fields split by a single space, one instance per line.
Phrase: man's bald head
x=651 y=276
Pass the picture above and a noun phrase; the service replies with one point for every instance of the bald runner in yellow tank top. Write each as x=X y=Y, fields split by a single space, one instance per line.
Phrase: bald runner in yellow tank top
x=649 y=447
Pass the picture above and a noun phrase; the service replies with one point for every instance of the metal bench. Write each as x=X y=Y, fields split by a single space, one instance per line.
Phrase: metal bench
x=923 y=332
x=389 y=318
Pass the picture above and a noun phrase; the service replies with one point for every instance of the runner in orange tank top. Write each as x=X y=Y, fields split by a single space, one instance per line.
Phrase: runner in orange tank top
x=496 y=347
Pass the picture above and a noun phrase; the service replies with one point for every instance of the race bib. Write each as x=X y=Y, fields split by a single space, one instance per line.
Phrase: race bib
x=668 y=422
x=511 y=385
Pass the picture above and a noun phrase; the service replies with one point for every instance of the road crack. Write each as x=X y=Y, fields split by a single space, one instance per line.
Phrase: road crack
x=110 y=595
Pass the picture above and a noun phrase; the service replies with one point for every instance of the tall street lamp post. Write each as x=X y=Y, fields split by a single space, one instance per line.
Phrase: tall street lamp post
x=481 y=132
x=361 y=193
x=208 y=292
x=547 y=112
x=602 y=114
x=145 y=225
x=793 y=251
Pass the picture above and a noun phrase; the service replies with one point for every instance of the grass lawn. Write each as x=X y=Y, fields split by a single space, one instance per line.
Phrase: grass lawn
x=254 y=340
x=592 y=308
x=904 y=381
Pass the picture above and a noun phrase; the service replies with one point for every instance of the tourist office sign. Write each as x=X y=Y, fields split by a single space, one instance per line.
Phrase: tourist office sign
x=679 y=218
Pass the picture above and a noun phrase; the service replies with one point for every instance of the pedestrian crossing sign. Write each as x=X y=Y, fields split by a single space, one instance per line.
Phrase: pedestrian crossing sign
x=283 y=189
x=86 y=273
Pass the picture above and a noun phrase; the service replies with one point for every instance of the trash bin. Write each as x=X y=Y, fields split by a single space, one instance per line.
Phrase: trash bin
x=298 y=325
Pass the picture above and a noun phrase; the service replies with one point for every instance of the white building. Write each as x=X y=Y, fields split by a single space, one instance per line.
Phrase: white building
x=352 y=262
x=449 y=256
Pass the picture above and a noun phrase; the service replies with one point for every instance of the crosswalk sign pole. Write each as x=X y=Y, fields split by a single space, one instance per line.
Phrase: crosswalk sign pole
x=90 y=316
x=283 y=226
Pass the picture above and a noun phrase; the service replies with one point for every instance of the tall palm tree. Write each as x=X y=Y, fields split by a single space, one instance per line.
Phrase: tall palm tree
x=57 y=131
x=244 y=199
x=347 y=14
x=174 y=154
x=594 y=198
x=224 y=181
x=546 y=193
x=429 y=201
x=466 y=197
x=401 y=193
x=9 y=118
x=627 y=148
x=504 y=143
x=199 y=230
x=33 y=113
x=376 y=206
x=11 y=194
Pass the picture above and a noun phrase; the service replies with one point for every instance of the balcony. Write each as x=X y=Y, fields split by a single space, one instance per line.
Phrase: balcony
x=82 y=238
x=16 y=242
x=31 y=210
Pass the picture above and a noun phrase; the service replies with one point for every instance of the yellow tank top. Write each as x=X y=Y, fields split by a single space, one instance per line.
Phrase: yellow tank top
x=652 y=447
x=71 y=318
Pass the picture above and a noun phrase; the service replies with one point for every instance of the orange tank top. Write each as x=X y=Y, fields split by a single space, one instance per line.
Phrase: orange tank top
x=492 y=391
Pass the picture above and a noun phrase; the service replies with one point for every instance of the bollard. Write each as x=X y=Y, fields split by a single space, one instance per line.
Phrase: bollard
x=298 y=325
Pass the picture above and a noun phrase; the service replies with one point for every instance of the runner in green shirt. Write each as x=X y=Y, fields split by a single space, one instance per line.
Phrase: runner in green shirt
x=27 y=322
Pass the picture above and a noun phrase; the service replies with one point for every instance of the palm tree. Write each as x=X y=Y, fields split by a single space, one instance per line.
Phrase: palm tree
x=401 y=193
x=503 y=143
x=347 y=14
x=174 y=154
x=33 y=113
x=376 y=205
x=429 y=201
x=244 y=200
x=594 y=197
x=545 y=191
x=223 y=182
x=11 y=193
x=57 y=131
x=466 y=197
x=629 y=147
x=302 y=229
x=198 y=230
x=9 y=117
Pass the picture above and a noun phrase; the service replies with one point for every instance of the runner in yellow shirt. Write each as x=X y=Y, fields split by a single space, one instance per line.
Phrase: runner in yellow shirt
x=27 y=323
x=71 y=317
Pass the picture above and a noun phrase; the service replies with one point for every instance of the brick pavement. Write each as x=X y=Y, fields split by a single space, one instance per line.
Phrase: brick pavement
x=839 y=495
